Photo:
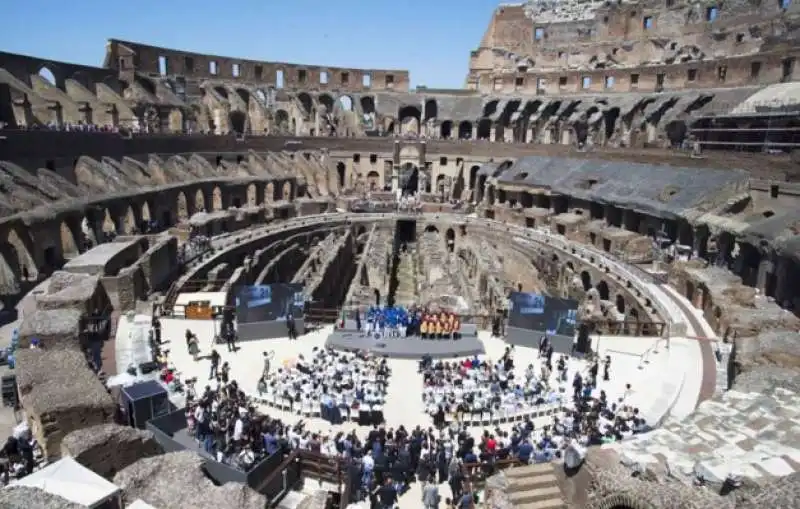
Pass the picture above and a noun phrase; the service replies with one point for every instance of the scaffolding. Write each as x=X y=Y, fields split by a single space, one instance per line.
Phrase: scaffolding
x=768 y=126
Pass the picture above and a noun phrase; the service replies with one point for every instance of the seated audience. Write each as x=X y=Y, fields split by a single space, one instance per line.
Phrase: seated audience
x=343 y=381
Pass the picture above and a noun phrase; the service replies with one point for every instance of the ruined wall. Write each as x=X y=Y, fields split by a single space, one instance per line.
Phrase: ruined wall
x=580 y=47
x=128 y=56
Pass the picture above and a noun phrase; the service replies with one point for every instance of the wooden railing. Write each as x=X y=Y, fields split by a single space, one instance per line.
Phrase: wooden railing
x=299 y=464
x=477 y=473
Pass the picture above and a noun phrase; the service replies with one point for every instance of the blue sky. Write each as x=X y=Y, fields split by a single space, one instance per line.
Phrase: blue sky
x=432 y=38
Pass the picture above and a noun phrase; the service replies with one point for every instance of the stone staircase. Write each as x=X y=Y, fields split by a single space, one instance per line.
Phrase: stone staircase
x=534 y=487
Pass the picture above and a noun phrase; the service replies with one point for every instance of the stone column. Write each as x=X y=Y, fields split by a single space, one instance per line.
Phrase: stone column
x=738 y=266
x=395 y=178
x=528 y=135
x=765 y=268
x=493 y=133
x=724 y=248
x=700 y=242
x=474 y=132
x=783 y=282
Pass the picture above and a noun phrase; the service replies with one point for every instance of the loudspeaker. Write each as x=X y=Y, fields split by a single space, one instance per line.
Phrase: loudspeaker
x=584 y=344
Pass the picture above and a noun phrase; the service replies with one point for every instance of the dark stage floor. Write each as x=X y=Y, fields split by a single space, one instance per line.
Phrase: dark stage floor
x=406 y=348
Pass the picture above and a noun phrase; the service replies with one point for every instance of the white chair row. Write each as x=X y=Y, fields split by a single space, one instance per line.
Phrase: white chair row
x=307 y=407
x=503 y=415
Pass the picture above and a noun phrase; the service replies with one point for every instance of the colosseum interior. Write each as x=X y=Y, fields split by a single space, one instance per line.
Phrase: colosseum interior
x=636 y=156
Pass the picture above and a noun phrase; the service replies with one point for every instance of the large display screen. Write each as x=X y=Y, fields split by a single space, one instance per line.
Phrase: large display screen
x=549 y=315
x=264 y=303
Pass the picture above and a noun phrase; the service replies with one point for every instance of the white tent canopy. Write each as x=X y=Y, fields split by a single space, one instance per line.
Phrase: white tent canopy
x=72 y=481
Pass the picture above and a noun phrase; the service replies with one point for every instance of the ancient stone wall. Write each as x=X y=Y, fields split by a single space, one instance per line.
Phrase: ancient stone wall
x=108 y=448
x=556 y=47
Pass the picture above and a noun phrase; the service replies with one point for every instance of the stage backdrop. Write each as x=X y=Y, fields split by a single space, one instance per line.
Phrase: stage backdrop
x=531 y=315
x=261 y=310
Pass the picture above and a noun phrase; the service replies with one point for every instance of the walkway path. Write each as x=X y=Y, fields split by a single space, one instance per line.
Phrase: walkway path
x=708 y=386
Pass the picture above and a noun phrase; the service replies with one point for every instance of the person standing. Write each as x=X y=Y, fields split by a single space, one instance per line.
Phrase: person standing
x=214 y=364
x=230 y=338
x=290 y=325
x=430 y=495
x=267 y=362
x=387 y=494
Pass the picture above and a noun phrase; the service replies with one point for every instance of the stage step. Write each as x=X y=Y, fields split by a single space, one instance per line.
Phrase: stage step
x=536 y=495
x=534 y=487
x=553 y=503
x=527 y=470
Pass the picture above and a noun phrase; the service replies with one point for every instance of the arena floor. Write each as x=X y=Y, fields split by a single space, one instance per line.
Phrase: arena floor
x=650 y=371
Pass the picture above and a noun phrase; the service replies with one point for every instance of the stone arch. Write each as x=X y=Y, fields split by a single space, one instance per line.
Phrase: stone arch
x=409 y=111
x=216 y=198
x=23 y=245
x=327 y=101
x=603 y=291
x=465 y=130
x=368 y=105
x=183 y=207
x=345 y=103
x=244 y=95
x=374 y=180
x=484 y=129
x=306 y=102
x=200 y=201
x=238 y=120
x=490 y=108
x=440 y=181
x=473 y=175
x=503 y=167
x=287 y=191
x=586 y=280
x=109 y=226
x=409 y=119
x=46 y=73
x=282 y=120
x=145 y=215
x=446 y=129
x=252 y=195
x=11 y=268
x=341 y=171
x=131 y=223
x=269 y=192
x=221 y=91
x=84 y=79
x=69 y=243
x=431 y=109
x=621 y=501
x=431 y=228
x=175 y=120
x=620 y=303
x=450 y=239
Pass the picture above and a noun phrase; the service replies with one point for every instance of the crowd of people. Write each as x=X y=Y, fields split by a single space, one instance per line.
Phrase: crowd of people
x=385 y=461
x=338 y=384
x=399 y=322
x=456 y=390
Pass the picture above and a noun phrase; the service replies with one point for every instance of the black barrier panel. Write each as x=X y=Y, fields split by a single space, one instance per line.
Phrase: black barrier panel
x=170 y=432
x=530 y=338
x=266 y=303
x=537 y=312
